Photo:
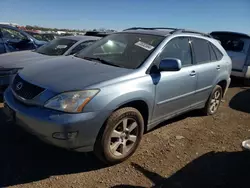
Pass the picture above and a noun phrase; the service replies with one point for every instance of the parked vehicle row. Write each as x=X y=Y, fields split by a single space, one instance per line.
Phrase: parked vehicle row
x=10 y=63
x=237 y=46
x=13 y=39
x=105 y=97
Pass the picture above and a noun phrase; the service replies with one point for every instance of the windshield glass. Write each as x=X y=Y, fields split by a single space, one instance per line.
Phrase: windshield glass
x=56 y=47
x=128 y=50
x=230 y=42
x=36 y=36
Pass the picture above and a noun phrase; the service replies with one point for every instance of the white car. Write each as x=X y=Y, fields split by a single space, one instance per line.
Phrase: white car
x=237 y=46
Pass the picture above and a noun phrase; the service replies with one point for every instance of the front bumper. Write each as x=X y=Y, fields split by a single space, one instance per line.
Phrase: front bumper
x=43 y=122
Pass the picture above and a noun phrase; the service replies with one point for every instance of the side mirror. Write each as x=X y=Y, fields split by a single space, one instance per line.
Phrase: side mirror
x=170 y=64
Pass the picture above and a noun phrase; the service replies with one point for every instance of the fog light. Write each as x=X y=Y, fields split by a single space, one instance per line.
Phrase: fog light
x=65 y=136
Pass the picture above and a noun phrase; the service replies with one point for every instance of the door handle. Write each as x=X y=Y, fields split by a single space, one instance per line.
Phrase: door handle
x=193 y=73
x=218 y=67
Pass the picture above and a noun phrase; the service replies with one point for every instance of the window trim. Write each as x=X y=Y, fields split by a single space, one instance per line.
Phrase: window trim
x=192 y=61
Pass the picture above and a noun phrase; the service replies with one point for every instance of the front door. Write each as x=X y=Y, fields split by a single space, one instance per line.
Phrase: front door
x=175 y=90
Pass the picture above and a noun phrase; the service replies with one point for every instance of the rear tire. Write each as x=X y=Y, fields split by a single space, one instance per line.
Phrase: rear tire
x=247 y=82
x=120 y=136
x=214 y=100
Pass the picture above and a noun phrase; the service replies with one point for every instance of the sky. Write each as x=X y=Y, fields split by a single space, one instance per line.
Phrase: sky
x=202 y=15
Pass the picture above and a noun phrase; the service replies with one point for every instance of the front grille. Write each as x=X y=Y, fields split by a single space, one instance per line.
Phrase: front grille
x=25 y=89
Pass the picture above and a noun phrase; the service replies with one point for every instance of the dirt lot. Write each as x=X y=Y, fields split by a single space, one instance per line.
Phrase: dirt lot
x=189 y=151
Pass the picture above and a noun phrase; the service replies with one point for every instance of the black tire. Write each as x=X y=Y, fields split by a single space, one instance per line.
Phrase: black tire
x=103 y=143
x=247 y=81
x=207 y=109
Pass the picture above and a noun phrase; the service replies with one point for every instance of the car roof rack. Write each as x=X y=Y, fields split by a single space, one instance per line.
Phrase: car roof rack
x=151 y=28
x=174 y=30
x=191 y=31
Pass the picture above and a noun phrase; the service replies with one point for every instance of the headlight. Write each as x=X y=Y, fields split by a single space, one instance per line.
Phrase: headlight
x=72 y=102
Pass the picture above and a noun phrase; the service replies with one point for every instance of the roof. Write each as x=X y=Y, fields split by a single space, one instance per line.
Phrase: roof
x=243 y=35
x=81 y=37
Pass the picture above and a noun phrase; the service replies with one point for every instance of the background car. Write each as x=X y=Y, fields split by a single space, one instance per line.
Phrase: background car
x=13 y=39
x=237 y=46
x=44 y=36
x=10 y=63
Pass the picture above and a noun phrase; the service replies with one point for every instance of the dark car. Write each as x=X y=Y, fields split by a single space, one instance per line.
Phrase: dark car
x=13 y=39
x=43 y=36
x=10 y=63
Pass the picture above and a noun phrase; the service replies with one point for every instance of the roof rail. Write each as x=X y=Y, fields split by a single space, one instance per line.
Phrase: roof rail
x=191 y=31
x=174 y=30
x=150 y=28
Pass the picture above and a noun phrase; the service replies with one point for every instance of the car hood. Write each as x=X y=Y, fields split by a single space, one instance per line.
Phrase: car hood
x=21 y=59
x=70 y=73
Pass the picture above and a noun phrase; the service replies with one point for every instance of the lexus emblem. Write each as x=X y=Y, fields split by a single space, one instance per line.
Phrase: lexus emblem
x=19 y=86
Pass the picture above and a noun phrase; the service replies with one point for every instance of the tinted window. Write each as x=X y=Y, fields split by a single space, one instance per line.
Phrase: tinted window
x=230 y=42
x=212 y=53
x=128 y=50
x=178 y=48
x=12 y=35
x=201 y=50
x=218 y=53
x=56 y=47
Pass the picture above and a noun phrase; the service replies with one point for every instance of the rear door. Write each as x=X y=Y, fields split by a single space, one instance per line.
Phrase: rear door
x=207 y=67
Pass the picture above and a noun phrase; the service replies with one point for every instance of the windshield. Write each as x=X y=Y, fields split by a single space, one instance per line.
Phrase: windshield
x=128 y=50
x=36 y=36
x=56 y=47
x=230 y=42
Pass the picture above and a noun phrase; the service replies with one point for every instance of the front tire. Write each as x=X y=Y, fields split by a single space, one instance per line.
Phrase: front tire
x=213 y=103
x=120 y=137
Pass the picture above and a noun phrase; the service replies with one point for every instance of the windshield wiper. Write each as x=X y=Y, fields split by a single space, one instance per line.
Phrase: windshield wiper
x=103 y=61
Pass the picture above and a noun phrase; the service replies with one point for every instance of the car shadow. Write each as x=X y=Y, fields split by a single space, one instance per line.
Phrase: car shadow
x=25 y=159
x=220 y=170
x=237 y=82
x=193 y=113
x=241 y=101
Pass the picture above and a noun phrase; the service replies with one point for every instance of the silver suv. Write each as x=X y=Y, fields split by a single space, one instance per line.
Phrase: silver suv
x=104 y=98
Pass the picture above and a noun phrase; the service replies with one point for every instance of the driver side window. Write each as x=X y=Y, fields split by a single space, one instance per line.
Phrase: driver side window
x=178 y=48
x=12 y=35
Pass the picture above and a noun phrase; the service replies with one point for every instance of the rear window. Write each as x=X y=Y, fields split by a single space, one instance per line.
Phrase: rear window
x=218 y=53
x=230 y=42
x=201 y=50
x=212 y=53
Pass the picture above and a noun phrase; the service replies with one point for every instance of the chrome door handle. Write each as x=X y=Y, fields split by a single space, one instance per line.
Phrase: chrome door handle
x=193 y=73
x=218 y=67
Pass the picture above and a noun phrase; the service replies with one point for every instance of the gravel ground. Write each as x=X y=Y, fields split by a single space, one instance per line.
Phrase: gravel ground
x=188 y=151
